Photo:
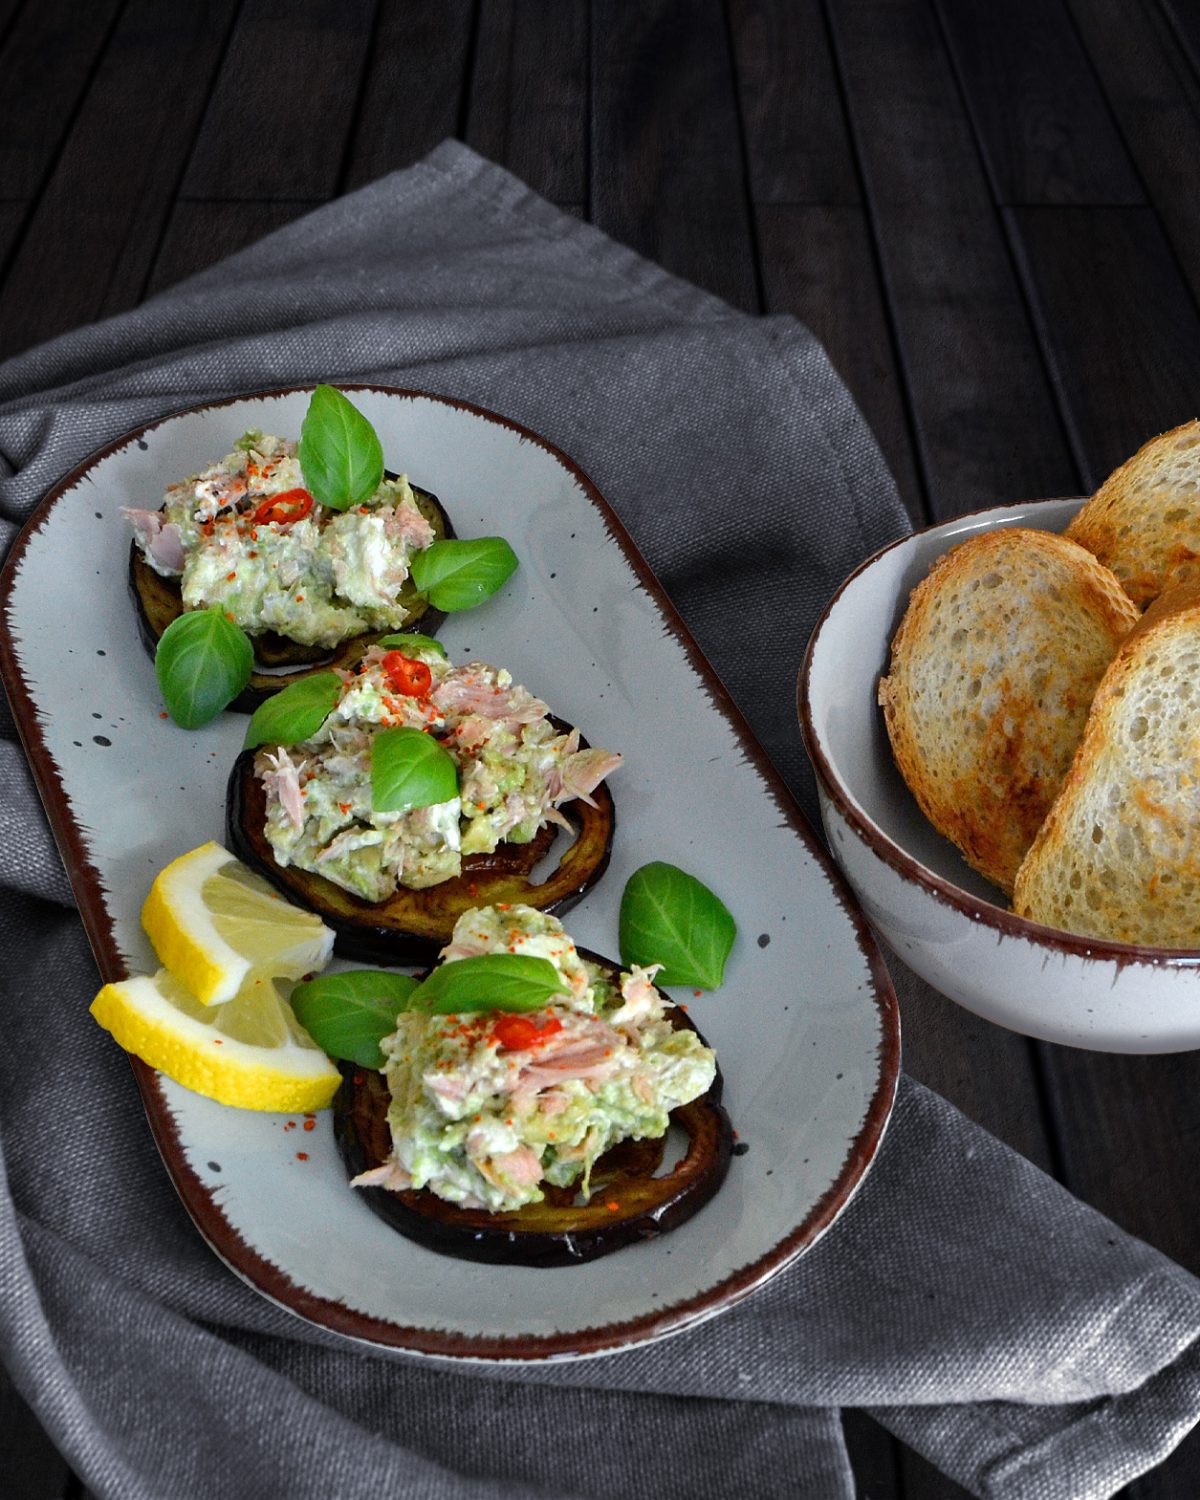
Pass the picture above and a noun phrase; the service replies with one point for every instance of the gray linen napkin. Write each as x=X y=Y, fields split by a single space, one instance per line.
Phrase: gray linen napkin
x=1012 y=1335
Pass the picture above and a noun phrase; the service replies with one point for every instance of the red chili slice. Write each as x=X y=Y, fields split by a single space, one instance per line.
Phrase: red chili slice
x=408 y=676
x=521 y=1033
x=282 y=510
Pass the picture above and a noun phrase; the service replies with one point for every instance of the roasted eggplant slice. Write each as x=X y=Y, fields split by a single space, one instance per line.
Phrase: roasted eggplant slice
x=158 y=602
x=411 y=926
x=558 y=1232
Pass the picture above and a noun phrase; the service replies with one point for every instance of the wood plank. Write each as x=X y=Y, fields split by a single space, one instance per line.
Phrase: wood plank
x=1155 y=99
x=919 y=1480
x=1044 y=126
x=813 y=240
x=1132 y=1148
x=1119 y=323
x=47 y=62
x=29 y=1461
x=984 y=414
x=10 y=12
x=415 y=83
x=1184 y=31
x=873 y=1454
x=985 y=1071
x=528 y=102
x=797 y=144
x=200 y=234
x=90 y=244
x=12 y=223
x=818 y=264
x=281 y=111
x=666 y=169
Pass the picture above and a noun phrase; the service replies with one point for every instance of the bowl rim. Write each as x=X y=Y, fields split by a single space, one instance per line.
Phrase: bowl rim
x=978 y=909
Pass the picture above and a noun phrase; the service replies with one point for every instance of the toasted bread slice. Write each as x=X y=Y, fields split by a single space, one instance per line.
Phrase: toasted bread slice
x=992 y=672
x=1119 y=853
x=1144 y=520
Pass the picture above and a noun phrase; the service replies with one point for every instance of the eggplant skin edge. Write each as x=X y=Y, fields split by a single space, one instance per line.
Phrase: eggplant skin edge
x=365 y=931
x=532 y=1236
x=157 y=602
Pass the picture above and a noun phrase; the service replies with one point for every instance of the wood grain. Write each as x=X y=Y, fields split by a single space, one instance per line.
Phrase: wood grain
x=413 y=92
x=1124 y=366
x=1045 y=128
x=93 y=236
x=529 y=95
x=984 y=415
x=667 y=173
x=289 y=84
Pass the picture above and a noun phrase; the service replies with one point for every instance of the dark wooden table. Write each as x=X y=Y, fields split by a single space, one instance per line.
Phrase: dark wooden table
x=989 y=213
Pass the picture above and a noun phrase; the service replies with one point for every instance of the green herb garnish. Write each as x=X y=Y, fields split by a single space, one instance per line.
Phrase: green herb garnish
x=340 y=455
x=347 y=1015
x=669 y=917
x=202 y=662
x=410 y=769
x=459 y=575
x=411 y=642
x=490 y=981
x=295 y=713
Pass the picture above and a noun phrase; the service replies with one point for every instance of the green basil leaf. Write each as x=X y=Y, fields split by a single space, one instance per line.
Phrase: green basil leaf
x=347 y=1015
x=202 y=662
x=460 y=575
x=669 y=917
x=410 y=769
x=412 y=642
x=340 y=455
x=296 y=713
x=490 y=981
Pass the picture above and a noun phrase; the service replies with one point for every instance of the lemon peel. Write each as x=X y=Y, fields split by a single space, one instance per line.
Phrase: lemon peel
x=249 y=1051
x=216 y=926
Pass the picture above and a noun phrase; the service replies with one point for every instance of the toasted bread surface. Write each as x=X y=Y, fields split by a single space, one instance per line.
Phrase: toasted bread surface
x=992 y=672
x=1118 y=856
x=1144 y=520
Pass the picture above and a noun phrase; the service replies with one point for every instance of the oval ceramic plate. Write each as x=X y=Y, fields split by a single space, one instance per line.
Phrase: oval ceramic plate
x=805 y=1025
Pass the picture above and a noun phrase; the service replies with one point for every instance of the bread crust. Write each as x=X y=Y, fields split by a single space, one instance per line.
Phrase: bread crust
x=992 y=672
x=1144 y=520
x=1118 y=856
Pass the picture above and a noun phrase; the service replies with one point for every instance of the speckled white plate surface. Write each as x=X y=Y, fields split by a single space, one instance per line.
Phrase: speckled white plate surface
x=805 y=1026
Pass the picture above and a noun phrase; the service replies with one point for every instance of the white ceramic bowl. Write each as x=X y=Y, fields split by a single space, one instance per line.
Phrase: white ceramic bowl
x=941 y=917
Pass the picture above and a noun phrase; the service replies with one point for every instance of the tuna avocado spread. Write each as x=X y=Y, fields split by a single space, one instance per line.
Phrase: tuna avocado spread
x=246 y=534
x=487 y=1106
x=515 y=768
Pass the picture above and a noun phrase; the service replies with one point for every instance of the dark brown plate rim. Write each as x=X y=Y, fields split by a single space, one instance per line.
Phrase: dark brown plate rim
x=206 y=1213
x=977 y=908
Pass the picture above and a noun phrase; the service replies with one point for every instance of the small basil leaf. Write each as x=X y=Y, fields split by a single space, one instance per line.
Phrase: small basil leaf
x=669 y=917
x=202 y=662
x=460 y=575
x=347 y=1015
x=412 y=642
x=490 y=981
x=410 y=769
x=340 y=455
x=296 y=713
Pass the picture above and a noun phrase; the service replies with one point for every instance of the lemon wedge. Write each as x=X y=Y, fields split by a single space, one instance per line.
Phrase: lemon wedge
x=216 y=925
x=250 y=1051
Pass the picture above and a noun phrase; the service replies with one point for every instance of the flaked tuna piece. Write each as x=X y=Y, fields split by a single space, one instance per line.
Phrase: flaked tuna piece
x=159 y=539
x=473 y=690
x=407 y=524
x=282 y=781
x=391 y=1175
x=583 y=772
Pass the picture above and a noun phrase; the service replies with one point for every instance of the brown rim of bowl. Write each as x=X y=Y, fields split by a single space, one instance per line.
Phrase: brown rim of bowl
x=978 y=908
x=206 y=1212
